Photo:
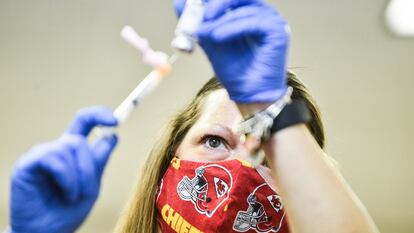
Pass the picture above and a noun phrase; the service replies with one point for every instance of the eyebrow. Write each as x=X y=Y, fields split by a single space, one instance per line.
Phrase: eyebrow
x=229 y=133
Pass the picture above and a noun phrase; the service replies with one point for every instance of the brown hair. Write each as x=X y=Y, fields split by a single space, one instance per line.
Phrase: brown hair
x=140 y=214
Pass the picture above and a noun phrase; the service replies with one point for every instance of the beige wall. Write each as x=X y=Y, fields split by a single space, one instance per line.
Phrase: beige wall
x=57 y=56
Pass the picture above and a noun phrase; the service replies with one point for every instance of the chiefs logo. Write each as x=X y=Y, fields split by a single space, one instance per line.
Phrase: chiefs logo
x=276 y=202
x=264 y=214
x=208 y=189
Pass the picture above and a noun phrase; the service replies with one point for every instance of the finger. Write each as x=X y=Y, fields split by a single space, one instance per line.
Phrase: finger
x=217 y=8
x=63 y=172
x=232 y=18
x=88 y=118
x=86 y=167
x=247 y=21
x=179 y=6
x=53 y=163
x=102 y=149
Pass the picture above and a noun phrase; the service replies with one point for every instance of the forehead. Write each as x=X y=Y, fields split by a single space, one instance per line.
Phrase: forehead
x=219 y=109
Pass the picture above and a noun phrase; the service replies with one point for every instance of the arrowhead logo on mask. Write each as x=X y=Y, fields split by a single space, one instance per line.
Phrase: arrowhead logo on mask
x=276 y=202
x=221 y=187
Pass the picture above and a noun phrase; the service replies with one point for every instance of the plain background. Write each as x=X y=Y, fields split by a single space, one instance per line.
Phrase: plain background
x=57 y=56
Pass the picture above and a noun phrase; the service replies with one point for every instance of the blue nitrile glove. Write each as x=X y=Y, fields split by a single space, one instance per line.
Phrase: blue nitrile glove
x=55 y=185
x=246 y=42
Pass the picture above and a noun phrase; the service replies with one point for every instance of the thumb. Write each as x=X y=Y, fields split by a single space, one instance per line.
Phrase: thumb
x=102 y=149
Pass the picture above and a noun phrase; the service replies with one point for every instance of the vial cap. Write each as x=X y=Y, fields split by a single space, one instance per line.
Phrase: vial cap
x=183 y=43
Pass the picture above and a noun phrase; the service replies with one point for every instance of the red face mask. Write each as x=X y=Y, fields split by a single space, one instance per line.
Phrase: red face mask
x=218 y=197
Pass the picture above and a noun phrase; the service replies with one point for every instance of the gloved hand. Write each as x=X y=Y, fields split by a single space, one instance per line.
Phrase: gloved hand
x=246 y=42
x=55 y=185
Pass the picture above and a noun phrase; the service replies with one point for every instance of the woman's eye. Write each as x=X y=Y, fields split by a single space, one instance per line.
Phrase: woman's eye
x=215 y=142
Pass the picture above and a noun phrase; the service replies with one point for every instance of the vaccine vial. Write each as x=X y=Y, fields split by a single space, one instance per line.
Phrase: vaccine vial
x=185 y=33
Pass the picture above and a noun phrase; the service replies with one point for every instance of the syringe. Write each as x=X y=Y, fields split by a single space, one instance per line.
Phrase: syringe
x=146 y=86
x=162 y=67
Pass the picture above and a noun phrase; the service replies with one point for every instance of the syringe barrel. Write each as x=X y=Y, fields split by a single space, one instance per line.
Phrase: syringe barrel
x=146 y=86
x=122 y=112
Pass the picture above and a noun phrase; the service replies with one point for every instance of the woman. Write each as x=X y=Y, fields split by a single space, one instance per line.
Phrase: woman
x=187 y=126
x=199 y=179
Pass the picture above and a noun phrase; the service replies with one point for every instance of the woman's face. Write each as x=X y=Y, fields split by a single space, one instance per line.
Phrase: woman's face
x=213 y=137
